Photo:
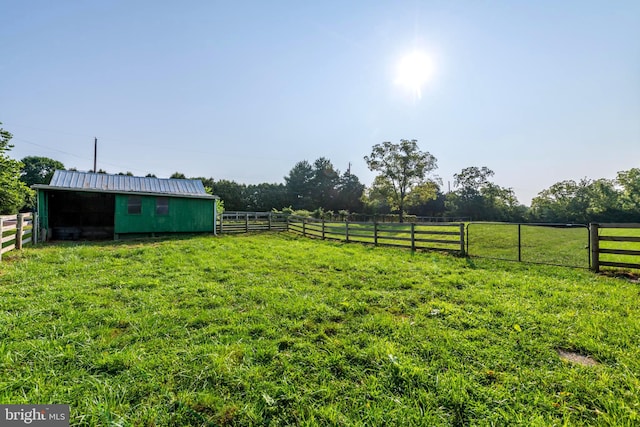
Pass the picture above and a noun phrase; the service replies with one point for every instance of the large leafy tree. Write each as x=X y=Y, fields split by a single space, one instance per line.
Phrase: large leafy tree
x=325 y=183
x=265 y=197
x=299 y=185
x=13 y=192
x=38 y=170
x=630 y=183
x=432 y=208
x=467 y=199
x=320 y=185
x=350 y=191
x=402 y=168
x=478 y=198
x=565 y=201
x=605 y=201
x=232 y=193
x=588 y=200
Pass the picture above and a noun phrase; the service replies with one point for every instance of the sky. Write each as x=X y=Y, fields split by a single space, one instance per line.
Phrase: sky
x=539 y=92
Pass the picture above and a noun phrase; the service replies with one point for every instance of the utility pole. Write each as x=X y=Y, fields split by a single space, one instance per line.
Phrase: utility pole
x=95 y=155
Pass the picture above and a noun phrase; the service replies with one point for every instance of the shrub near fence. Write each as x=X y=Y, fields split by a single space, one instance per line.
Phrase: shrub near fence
x=15 y=231
x=436 y=236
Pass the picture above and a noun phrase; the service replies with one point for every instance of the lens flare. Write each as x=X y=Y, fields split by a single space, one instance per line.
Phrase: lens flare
x=414 y=71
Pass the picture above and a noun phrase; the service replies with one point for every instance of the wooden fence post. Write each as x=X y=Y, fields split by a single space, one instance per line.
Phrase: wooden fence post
x=375 y=233
x=322 y=228
x=269 y=221
x=304 y=227
x=413 y=237
x=346 y=230
x=594 y=241
x=519 y=242
x=19 y=226
x=462 y=251
x=246 y=223
x=35 y=226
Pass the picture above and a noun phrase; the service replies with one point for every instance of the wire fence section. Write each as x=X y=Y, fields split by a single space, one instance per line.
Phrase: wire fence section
x=434 y=236
x=552 y=244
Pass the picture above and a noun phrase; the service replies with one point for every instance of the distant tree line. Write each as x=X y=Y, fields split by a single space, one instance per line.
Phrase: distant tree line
x=600 y=200
x=307 y=187
x=405 y=184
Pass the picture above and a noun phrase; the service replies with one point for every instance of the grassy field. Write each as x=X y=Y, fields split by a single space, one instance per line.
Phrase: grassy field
x=546 y=245
x=566 y=246
x=274 y=329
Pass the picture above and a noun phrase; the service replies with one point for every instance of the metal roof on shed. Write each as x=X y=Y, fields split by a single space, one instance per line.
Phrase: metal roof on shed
x=101 y=182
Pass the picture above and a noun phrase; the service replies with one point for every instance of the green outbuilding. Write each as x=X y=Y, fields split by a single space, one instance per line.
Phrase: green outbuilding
x=84 y=205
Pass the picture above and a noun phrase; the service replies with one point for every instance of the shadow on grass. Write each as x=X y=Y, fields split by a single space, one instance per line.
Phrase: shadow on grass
x=122 y=241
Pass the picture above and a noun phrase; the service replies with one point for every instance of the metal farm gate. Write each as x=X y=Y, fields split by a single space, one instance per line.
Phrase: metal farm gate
x=564 y=245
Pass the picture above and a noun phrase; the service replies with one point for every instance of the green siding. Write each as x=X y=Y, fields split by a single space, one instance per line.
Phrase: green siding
x=43 y=209
x=186 y=215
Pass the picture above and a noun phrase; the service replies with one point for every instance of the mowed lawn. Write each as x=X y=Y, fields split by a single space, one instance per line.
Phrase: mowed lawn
x=275 y=329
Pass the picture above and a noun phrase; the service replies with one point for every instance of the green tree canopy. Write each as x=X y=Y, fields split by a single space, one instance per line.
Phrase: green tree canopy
x=299 y=185
x=587 y=200
x=38 y=170
x=326 y=182
x=350 y=191
x=478 y=198
x=402 y=168
x=13 y=192
x=629 y=181
x=232 y=193
x=265 y=197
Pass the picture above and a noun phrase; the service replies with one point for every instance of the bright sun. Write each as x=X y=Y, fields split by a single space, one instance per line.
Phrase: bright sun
x=414 y=71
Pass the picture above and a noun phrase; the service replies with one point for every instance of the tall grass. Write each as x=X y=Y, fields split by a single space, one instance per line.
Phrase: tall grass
x=275 y=329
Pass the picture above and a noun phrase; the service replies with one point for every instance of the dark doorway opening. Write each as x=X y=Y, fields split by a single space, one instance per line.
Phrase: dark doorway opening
x=81 y=215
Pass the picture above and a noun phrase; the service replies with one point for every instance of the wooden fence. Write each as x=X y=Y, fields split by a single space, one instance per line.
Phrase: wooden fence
x=626 y=246
x=16 y=231
x=435 y=236
x=245 y=222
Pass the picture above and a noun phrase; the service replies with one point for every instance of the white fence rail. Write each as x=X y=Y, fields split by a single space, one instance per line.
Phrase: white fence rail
x=16 y=231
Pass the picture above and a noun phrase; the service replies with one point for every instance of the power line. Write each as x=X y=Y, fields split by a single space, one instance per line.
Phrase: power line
x=76 y=156
x=48 y=148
